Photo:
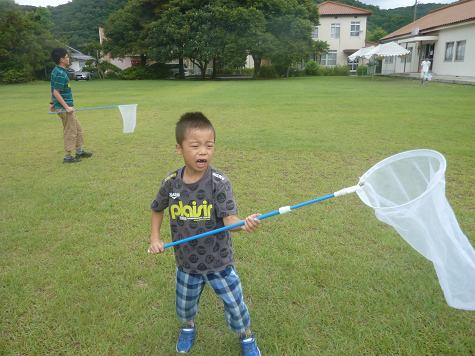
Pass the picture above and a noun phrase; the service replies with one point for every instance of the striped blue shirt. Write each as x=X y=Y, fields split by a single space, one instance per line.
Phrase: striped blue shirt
x=60 y=82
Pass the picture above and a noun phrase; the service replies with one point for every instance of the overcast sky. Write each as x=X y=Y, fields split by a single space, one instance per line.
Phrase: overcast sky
x=383 y=4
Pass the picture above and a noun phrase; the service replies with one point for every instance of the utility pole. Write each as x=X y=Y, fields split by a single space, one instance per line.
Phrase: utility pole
x=415 y=10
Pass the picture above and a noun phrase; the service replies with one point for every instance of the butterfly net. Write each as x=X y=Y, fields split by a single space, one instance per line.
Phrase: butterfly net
x=129 y=115
x=407 y=191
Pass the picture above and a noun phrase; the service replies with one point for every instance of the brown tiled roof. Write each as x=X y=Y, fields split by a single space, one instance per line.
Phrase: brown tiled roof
x=455 y=13
x=333 y=8
x=369 y=44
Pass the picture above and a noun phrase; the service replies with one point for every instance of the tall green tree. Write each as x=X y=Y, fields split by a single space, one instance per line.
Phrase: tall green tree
x=127 y=29
x=191 y=29
x=26 y=42
x=286 y=36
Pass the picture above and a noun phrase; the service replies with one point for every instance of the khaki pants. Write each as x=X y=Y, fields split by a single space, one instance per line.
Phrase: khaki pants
x=72 y=131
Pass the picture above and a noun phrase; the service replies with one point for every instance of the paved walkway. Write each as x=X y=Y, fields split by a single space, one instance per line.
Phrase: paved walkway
x=436 y=78
x=412 y=76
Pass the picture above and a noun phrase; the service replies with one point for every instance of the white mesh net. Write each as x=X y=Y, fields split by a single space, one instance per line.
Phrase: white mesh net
x=129 y=115
x=407 y=191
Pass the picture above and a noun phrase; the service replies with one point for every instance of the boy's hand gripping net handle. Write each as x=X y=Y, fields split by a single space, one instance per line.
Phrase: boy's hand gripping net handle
x=282 y=210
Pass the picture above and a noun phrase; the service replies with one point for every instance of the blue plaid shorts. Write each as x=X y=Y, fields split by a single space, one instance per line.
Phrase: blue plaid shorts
x=226 y=284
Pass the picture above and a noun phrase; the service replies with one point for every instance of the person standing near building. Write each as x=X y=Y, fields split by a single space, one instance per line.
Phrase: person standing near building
x=425 y=66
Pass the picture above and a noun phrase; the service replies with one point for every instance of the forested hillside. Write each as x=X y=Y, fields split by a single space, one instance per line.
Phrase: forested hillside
x=77 y=22
x=422 y=10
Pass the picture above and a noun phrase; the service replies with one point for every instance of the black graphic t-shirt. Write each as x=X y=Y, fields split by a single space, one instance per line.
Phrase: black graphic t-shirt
x=195 y=209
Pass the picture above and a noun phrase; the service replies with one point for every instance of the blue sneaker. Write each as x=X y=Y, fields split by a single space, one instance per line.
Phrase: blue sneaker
x=185 y=341
x=248 y=344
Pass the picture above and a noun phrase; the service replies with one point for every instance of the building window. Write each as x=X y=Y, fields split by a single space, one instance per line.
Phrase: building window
x=353 y=65
x=315 y=33
x=355 y=29
x=328 y=59
x=408 y=59
x=449 y=51
x=335 y=30
x=460 y=51
x=389 y=59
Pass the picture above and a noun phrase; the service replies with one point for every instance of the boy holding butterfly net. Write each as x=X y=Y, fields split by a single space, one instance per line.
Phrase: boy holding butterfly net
x=200 y=198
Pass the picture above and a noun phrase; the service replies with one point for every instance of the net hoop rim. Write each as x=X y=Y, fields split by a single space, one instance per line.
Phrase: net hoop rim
x=127 y=105
x=413 y=153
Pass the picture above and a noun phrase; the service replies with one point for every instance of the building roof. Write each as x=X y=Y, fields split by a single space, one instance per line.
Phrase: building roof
x=458 y=12
x=330 y=8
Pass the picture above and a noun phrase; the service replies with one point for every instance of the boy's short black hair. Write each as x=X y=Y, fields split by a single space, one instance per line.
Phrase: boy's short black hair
x=192 y=121
x=58 y=53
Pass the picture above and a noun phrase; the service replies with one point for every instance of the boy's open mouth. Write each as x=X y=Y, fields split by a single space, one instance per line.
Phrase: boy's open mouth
x=201 y=162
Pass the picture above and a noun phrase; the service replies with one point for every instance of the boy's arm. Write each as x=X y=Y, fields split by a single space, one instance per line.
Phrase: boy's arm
x=156 y=245
x=250 y=224
x=60 y=99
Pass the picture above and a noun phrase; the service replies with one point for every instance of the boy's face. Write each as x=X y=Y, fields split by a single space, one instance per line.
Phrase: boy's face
x=197 y=149
x=64 y=62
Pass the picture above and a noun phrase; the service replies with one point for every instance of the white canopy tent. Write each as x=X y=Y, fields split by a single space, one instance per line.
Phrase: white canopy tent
x=365 y=53
x=390 y=49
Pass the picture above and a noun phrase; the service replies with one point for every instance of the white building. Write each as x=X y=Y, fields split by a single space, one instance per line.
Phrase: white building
x=343 y=27
x=77 y=59
x=446 y=36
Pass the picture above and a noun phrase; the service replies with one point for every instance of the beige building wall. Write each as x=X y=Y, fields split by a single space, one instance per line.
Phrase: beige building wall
x=345 y=42
x=455 y=34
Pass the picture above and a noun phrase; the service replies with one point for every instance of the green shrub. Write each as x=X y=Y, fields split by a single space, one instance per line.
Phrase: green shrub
x=312 y=68
x=247 y=70
x=133 y=73
x=338 y=70
x=362 y=70
x=328 y=71
x=89 y=69
x=110 y=70
x=341 y=70
x=17 y=74
x=158 y=71
x=267 y=72
x=113 y=75
x=296 y=72
x=154 y=71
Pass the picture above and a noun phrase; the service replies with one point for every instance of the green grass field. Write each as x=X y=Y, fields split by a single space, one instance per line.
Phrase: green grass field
x=326 y=279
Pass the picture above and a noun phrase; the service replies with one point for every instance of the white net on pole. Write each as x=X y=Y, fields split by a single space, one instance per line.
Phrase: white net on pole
x=129 y=115
x=407 y=191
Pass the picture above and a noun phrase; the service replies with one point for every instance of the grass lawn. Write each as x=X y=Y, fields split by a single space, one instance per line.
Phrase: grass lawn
x=326 y=279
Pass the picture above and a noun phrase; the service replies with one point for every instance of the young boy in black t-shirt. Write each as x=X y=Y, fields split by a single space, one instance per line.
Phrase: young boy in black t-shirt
x=200 y=198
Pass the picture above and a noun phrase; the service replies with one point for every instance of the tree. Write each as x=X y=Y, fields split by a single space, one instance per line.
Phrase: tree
x=294 y=41
x=376 y=35
x=189 y=29
x=286 y=36
x=220 y=30
x=320 y=48
x=95 y=49
x=127 y=30
x=26 y=42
